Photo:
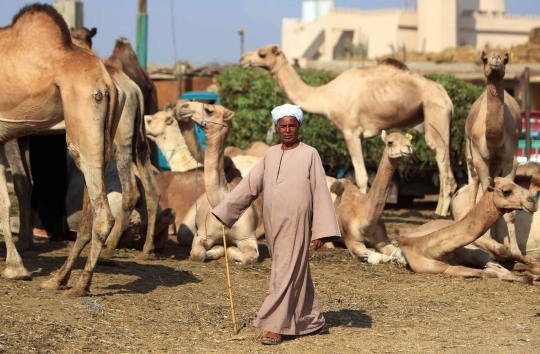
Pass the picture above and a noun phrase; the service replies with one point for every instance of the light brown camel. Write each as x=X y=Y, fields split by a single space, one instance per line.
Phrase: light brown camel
x=163 y=129
x=527 y=224
x=492 y=128
x=444 y=246
x=359 y=215
x=244 y=160
x=50 y=79
x=362 y=102
x=199 y=225
x=130 y=152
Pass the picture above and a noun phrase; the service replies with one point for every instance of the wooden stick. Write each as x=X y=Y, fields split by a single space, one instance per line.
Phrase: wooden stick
x=229 y=279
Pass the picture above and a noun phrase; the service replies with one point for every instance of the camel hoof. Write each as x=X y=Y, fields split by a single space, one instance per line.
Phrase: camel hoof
x=107 y=253
x=77 y=292
x=19 y=273
x=145 y=256
x=53 y=284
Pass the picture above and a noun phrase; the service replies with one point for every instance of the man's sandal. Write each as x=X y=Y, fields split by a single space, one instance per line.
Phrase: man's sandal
x=272 y=338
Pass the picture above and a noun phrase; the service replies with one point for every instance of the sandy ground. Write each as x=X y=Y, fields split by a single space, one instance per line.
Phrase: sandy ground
x=172 y=304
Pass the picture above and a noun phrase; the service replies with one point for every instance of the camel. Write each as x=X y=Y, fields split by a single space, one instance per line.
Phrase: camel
x=244 y=160
x=163 y=129
x=359 y=215
x=130 y=152
x=527 y=225
x=50 y=79
x=444 y=246
x=362 y=102
x=493 y=126
x=199 y=225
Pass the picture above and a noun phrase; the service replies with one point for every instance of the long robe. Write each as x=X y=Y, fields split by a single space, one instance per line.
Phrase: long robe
x=297 y=209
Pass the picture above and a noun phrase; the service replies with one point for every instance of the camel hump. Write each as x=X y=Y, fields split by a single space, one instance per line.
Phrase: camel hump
x=394 y=63
x=338 y=187
x=51 y=12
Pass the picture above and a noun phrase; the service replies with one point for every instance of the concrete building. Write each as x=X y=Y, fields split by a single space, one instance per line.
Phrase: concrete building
x=328 y=33
x=71 y=11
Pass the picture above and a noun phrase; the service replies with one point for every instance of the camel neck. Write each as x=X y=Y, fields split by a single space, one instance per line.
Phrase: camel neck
x=378 y=192
x=176 y=153
x=190 y=137
x=477 y=221
x=311 y=99
x=214 y=175
x=495 y=113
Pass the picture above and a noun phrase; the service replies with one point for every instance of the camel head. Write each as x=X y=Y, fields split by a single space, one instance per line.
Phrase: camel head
x=267 y=57
x=210 y=117
x=494 y=64
x=508 y=196
x=397 y=145
x=82 y=36
x=159 y=124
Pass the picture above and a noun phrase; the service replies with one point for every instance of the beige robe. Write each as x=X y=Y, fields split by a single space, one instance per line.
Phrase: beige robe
x=297 y=209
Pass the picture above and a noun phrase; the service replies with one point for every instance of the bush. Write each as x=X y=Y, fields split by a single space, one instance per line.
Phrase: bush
x=252 y=93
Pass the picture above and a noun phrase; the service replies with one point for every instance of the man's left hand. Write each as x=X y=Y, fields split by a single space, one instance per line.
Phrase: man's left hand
x=321 y=241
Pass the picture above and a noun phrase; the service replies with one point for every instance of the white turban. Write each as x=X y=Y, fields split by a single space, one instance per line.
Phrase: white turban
x=287 y=110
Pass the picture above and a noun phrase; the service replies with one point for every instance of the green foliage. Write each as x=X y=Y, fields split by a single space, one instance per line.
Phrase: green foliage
x=252 y=93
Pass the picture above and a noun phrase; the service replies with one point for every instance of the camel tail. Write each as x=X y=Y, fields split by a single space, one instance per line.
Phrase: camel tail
x=337 y=187
x=111 y=111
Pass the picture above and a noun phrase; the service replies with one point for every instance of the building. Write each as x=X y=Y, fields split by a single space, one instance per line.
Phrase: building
x=328 y=33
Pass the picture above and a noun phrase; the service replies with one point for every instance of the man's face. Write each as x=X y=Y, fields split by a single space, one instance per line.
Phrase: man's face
x=288 y=128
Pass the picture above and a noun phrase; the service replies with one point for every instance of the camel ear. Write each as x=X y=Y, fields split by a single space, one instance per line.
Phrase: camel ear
x=169 y=120
x=483 y=57
x=228 y=115
x=383 y=135
x=491 y=184
x=506 y=58
x=93 y=32
x=275 y=50
x=169 y=106
x=337 y=187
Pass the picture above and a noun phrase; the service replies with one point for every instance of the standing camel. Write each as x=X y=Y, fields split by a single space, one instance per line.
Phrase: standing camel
x=216 y=121
x=129 y=151
x=359 y=215
x=444 y=246
x=492 y=128
x=45 y=79
x=363 y=102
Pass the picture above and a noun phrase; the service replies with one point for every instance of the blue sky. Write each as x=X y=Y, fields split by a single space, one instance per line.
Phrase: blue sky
x=206 y=30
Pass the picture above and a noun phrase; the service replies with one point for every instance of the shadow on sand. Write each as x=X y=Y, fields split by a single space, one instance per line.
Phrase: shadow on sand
x=348 y=318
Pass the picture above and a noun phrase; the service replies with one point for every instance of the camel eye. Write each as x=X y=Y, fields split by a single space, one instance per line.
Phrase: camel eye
x=507 y=193
x=209 y=111
x=390 y=143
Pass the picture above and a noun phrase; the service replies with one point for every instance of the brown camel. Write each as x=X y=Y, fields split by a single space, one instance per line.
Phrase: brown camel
x=130 y=152
x=527 y=225
x=492 y=128
x=444 y=246
x=50 y=79
x=362 y=102
x=199 y=224
x=359 y=215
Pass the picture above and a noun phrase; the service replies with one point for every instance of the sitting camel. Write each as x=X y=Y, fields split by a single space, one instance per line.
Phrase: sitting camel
x=527 y=225
x=244 y=160
x=492 y=128
x=359 y=215
x=362 y=102
x=200 y=225
x=444 y=246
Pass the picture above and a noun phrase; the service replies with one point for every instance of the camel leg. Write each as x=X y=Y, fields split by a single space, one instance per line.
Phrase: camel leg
x=17 y=154
x=438 y=141
x=215 y=253
x=359 y=251
x=472 y=175
x=354 y=145
x=151 y=192
x=248 y=249
x=492 y=270
x=84 y=234
x=198 y=249
x=14 y=265
x=129 y=197
x=509 y=171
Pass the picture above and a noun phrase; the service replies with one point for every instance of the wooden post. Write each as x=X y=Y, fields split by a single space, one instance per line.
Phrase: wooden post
x=527 y=75
x=142 y=33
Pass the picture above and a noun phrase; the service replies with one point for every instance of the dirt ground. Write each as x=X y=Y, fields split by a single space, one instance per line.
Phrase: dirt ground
x=172 y=304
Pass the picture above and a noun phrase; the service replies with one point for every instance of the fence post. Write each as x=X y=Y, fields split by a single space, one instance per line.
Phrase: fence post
x=527 y=75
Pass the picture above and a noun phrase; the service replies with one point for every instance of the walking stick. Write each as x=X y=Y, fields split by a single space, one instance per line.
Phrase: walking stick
x=229 y=279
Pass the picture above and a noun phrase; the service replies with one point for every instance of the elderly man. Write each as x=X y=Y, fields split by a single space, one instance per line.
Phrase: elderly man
x=297 y=209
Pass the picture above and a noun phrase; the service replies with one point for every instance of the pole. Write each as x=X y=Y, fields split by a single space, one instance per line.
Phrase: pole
x=241 y=33
x=528 y=113
x=229 y=280
x=142 y=33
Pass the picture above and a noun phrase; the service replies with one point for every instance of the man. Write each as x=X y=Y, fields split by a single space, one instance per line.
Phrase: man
x=297 y=209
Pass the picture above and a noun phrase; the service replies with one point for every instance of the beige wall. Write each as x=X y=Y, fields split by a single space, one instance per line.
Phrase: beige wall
x=436 y=25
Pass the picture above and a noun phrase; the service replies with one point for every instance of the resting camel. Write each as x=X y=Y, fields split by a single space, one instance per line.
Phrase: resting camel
x=359 y=214
x=492 y=128
x=444 y=246
x=162 y=128
x=207 y=241
x=130 y=152
x=362 y=102
x=50 y=79
x=244 y=160
x=527 y=224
